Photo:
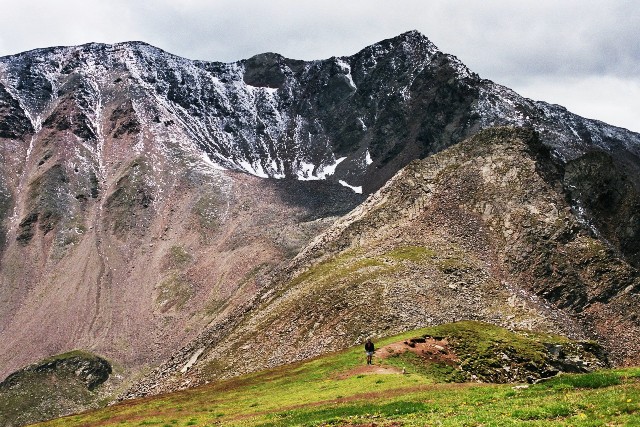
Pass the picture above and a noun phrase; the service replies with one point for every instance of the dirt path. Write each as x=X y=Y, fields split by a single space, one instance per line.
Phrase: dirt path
x=430 y=350
x=370 y=370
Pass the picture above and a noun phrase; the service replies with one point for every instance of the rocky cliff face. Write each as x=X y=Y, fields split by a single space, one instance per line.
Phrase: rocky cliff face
x=145 y=199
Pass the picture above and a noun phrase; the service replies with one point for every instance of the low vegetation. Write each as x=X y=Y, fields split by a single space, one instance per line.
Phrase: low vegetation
x=340 y=390
x=56 y=386
x=173 y=292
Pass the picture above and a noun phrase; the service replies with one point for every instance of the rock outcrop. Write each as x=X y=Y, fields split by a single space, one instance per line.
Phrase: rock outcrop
x=58 y=386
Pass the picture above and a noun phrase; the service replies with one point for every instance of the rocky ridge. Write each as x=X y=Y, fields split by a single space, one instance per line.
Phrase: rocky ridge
x=355 y=119
x=482 y=231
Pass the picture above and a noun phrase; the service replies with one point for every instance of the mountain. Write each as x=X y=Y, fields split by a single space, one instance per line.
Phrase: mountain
x=147 y=202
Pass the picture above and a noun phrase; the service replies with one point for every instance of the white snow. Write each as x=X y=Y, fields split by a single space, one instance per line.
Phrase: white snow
x=367 y=158
x=346 y=69
x=305 y=173
x=355 y=189
x=331 y=169
x=253 y=169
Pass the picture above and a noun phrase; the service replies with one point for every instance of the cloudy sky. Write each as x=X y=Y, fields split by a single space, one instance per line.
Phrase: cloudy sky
x=583 y=54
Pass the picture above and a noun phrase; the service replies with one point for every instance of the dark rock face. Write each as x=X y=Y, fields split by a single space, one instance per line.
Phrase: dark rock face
x=6 y=202
x=13 y=121
x=47 y=204
x=266 y=70
x=607 y=192
x=27 y=228
x=130 y=205
x=63 y=119
x=123 y=121
x=322 y=199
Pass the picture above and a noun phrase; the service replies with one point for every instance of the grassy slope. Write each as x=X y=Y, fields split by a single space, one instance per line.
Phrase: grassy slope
x=318 y=393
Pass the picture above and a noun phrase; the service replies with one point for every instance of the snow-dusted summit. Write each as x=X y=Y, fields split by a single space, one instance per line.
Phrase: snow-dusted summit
x=354 y=120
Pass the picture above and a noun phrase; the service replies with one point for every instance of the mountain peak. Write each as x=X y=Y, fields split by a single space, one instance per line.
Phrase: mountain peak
x=409 y=47
x=414 y=38
x=413 y=35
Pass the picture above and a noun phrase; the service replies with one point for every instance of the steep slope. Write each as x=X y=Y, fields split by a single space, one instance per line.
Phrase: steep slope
x=121 y=236
x=146 y=271
x=129 y=225
x=484 y=230
x=121 y=262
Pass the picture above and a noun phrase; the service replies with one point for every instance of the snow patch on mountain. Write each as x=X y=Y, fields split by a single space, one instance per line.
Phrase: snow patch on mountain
x=354 y=188
x=367 y=158
x=310 y=172
x=346 y=69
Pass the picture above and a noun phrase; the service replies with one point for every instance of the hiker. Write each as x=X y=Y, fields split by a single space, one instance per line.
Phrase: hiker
x=369 y=348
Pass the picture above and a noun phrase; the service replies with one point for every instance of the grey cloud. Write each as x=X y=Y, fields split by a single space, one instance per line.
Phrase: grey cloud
x=494 y=37
x=556 y=38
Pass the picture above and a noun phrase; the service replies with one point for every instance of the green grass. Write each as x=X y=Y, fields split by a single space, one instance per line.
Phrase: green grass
x=439 y=372
x=173 y=292
x=330 y=391
x=349 y=266
x=590 y=380
x=353 y=268
x=412 y=253
x=179 y=257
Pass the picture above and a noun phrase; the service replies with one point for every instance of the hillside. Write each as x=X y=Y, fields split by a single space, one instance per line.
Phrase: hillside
x=481 y=231
x=129 y=218
x=400 y=389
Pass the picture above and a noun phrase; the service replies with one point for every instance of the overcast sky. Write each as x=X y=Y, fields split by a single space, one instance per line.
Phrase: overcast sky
x=582 y=54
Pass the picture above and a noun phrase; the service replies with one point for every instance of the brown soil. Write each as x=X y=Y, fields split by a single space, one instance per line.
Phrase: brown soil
x=430 y=349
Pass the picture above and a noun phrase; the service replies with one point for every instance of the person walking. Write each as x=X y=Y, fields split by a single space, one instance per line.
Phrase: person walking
x=369 y=348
